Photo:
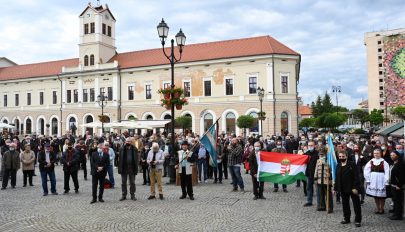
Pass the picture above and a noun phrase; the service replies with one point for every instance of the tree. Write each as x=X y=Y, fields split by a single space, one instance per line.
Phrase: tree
x=317 y=107
x=183 y=122
x=307 y=122
x=376 y=117
x=245 y=121
x=327 y=106
x=331 y=120
x=339 y=109
x=361 y=116
x=399 y=111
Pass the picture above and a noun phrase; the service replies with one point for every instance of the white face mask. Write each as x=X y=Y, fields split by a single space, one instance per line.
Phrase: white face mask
x=257 y=148
x=12 y=148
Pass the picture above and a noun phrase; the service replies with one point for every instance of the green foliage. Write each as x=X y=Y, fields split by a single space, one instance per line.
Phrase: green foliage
x=245 y=121
x=183 y=122
x=399 y=111
x=330 y=120
x=324 y=105
x=376 y=117
x=339 y=109
x=307 y=122
x=361 y=116
x=327 y=106
x=358 y=131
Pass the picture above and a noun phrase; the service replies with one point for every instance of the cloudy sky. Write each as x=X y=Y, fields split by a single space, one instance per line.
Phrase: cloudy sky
x=328 y=34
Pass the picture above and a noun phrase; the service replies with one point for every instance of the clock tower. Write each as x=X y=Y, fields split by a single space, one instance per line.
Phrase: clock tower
x=97 y=36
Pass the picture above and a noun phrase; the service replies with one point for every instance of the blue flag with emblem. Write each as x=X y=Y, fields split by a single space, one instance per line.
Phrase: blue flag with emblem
x=209 y=140
x=331 y=158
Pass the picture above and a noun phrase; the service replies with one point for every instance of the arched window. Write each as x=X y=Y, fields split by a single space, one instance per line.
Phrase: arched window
x=28 y=126
x=89 y=119
x=41 y=126
x=208 y=121
x=54 y=125
x=255 y=128
x=284 y=122
x=131 y=118
x=167 y=116
x=17 y=124
x=72 y=125
x=149 y=117
x=86 y=60
x=230 y=122
x=91 y=59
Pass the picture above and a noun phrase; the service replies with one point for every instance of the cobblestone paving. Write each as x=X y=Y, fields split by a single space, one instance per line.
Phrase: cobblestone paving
x=216 y=208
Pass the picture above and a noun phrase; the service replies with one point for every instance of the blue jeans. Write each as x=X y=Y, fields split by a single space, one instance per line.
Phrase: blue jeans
x=52 y=178
x=310 y=190
x=202 y=163
x=236 y=177
x=110 y=171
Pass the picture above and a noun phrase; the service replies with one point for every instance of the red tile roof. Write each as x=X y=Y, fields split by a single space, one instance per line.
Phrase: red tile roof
x=262 y=45
x=304 y=110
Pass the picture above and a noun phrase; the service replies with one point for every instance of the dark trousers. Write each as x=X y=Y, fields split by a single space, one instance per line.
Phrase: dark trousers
x=321 y=194
x=186 y=185
x=84 y=167
x=145 y=174
x=67 y=174
x=276 y=186
x=225 y=166
x=218 y=172
x=346 y=206
x=28 y=174
x=398 y=199
x=166 y=167
x=257 y=187
x=98 y=179
x=124 y=178
x=9 y=173
x=44 y=175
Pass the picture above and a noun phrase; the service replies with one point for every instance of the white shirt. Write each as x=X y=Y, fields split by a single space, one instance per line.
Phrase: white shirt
x=47 y=159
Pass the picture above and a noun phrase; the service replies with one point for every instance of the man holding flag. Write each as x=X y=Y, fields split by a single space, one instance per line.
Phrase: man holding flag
x=209 y=143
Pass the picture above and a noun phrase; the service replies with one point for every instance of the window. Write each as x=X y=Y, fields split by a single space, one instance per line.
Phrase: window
x=381 y=80
x=284 y=122
x=104 y=28
x=109 y=93
x=5 y=101
x=380 y=73
x=379 y=42
x=230 y=120
x=102 y=91
x=379 y=50
x=207 y=88
x=166 y=85
x=229 y=86
x=208 y=121
x=379 y=65
x=41 y=98
x=381 y=88
x=28 y=99
x=86 y=28
x=86 y=60
x=85 y=95
x=109 y=31
x=92 y=28
x=381 y=103
x=255 y=127
x=187 y=88
x=252 y=85
x=130 y=92
x=75 y=95
x=17 y=99
x=54 y=126
x=92 y=94
x=379 y=57
x=284 y=84
x=91 y=59
x=148 y=91
x=69 y=96
x=54 y=97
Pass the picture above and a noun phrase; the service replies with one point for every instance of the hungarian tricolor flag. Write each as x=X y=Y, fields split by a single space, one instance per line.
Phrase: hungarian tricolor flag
x=281 y=168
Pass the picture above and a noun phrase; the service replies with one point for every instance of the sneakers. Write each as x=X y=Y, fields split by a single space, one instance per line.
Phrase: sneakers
x=357 y=224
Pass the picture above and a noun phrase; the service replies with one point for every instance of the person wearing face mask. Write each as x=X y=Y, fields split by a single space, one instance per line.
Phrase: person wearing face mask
x=279 y=149
x=257 y=186
x=376 y=173
x=323 y=178
x=386 y=153
x=360 y=161
x=234 y=163
x=155 y=161
x=10 y=163
x=145 y=166
x=28 y=162
x=70 y=161
x=310 y=170
x=99 y=161
x=397 y=184
x=400 y=149
x=128 y=168
x=348 y=184
x=46 y=160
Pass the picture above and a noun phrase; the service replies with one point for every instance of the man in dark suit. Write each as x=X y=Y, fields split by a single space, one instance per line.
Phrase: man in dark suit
x=128 y=168
x=46 y=160
x=70 y=161
x=99 y=162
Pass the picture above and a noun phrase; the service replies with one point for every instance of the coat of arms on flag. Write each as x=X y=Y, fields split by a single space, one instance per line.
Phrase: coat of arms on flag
x=285 y=167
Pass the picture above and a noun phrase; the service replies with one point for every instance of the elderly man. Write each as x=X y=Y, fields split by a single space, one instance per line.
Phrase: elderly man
x=128 y=168
x=186 y=159
x=155 y=161
x=235 y=151
x=99 y=161
x=257 y=186
x=10 y=164
x=70 y=161
x=46 y=160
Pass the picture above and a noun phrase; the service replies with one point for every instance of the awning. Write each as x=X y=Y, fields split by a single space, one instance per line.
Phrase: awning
x=5 y=125
x=391 y=129
x=398 y=133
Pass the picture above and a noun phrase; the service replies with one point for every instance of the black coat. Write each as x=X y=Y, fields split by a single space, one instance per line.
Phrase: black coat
x=42 y=161
x=347 y=178
x=398 y=175
x=96 y=161
x=133 y=151
x=74 y=163
x=310 y=171
x=253 y=163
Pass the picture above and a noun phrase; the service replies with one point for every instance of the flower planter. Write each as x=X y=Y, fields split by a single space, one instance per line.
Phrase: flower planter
x=168 y=107
x=167 y=96
x=179 y=107
x=261 y=118
x=176 y=95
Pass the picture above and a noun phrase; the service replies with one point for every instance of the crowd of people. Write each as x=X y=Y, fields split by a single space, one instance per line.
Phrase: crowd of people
x=366 y=166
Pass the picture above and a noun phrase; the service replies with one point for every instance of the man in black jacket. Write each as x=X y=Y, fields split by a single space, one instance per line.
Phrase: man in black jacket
x=128 y=168
x=99 y=162
x=397 y=182
x=46 y=160
x=348 y=184
x=257 y=186
x=70 y=161
x=310 y=171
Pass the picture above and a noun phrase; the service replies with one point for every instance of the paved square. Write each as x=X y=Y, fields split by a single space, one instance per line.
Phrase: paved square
x=215 y=208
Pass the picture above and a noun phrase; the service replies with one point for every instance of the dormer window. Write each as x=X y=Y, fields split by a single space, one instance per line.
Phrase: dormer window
x=92 y=59
x=92 y=27
x=86 y=60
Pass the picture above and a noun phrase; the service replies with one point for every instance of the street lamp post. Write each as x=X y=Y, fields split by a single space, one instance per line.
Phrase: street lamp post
x=102 y=101
x=260 y=93
x=163 y=31
x=337 y=89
